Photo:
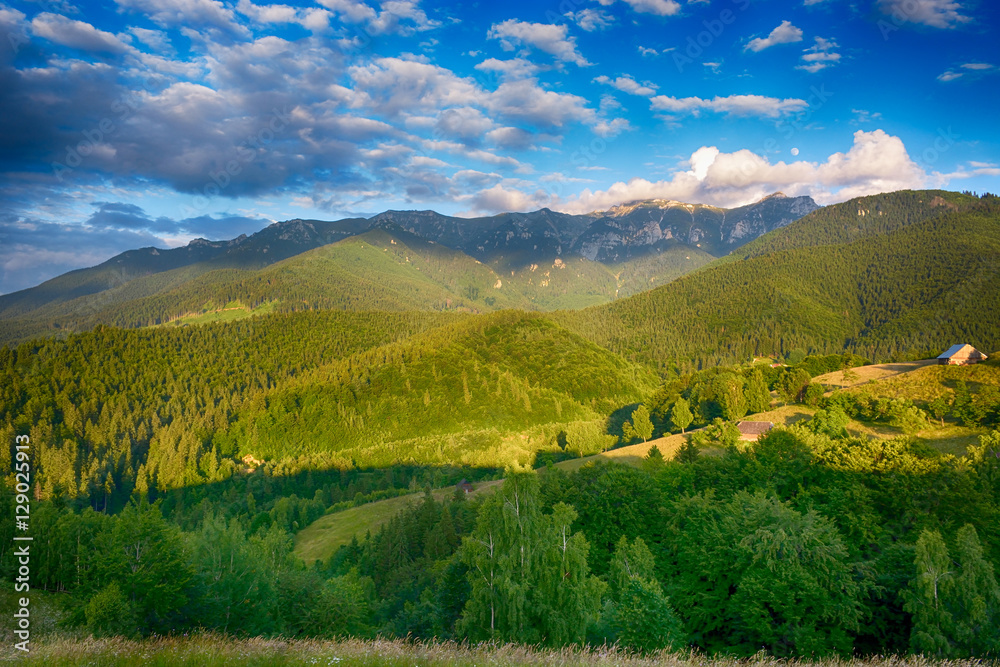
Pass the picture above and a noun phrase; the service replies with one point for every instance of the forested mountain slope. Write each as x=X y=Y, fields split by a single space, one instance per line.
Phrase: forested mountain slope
x=912 y=289
x=859 y=218
x=113 y=410
x=444 y=396
x=611 y=253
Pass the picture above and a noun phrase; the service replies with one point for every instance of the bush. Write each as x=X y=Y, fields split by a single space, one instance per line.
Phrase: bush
x=109 y=613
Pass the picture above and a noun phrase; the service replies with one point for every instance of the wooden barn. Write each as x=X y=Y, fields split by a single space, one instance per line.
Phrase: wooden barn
x=961 y=355
x=751 y=431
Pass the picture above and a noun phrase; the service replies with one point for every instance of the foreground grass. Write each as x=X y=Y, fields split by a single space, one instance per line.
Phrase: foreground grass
x=213 y=651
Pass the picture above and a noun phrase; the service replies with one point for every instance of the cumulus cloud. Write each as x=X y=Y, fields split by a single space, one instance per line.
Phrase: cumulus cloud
x=466 y=124
x=173 y=13
x=312 y=19
x=75 y=34
x=526 y=101
x=785 y=33
x=627 y=84
x=499 y=198
x=155 y=39
x=737 y=105
x=551 y=39
x=396 y=85
x=876 y=162
x=934 y=13
x=515 y=68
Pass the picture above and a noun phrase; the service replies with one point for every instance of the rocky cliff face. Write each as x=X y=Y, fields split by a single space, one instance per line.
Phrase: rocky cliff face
x=638 y=228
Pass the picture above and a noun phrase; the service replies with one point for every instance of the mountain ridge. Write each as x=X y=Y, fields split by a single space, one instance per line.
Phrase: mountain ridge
x=661 y=236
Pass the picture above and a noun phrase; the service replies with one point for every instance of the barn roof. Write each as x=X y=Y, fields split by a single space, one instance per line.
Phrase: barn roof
x=754 y=428
x=964 y=348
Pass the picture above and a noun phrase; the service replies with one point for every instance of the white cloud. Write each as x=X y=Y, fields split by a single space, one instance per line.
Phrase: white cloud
x=877 y=162
x=738 y=105
x=501 y=199
x=611 y=128
x=609 y=103
x=972 y=71
x=350 y=10
x=551 y=39
x=820 y=55
x=525 y=100
x=785 y=33
x=656 y=7
x=512 y=138
x=591 y=19
x=464 y=123
x=862 y=116
x=167 y=13
x=155 y=39
x=515 y=68
x=389 y=19
x=313 y=19
x=627 y=84
x=934 y=13
x=396 y=86
x=75 y=34
x=425 y=162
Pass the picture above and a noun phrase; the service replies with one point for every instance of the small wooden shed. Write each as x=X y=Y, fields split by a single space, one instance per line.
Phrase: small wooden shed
x=962 y=354
x=751 y=431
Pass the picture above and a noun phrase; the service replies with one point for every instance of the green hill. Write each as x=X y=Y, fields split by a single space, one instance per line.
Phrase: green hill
x=462 y=393
x=857 y=219
x=911 y=289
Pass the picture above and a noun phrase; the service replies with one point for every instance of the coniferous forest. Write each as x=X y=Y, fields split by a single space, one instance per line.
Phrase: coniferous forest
x=176 y=468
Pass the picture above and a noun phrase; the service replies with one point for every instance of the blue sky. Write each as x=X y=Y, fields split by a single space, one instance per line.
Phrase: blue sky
x=131 y=123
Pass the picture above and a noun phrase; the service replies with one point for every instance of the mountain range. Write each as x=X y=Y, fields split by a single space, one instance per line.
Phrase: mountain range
x=541 y=260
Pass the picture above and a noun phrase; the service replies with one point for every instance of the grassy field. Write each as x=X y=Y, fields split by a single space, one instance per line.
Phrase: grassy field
x=233 y=310
x=320 y=539
x=931 y=381
x=865 y=374
x=215 y=651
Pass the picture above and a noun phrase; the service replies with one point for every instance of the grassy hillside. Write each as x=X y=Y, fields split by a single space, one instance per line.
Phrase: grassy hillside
x=918 y=288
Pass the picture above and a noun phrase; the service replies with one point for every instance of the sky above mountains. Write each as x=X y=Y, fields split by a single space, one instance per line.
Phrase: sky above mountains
x=130 y=123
